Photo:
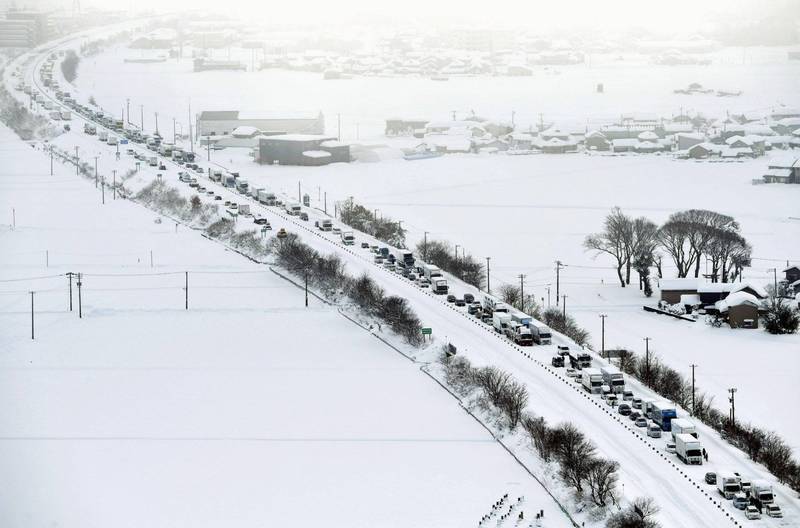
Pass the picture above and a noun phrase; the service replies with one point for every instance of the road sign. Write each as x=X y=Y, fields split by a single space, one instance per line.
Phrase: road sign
x=427 y=331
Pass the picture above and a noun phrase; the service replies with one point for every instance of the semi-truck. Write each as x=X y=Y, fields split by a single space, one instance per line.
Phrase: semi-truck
x=348 y=239
x=500 y=321
x=683 y=426
x=430 y=271
x=215 y=175
x=439 y=286
x=541 y=333
x=613 y=377
x=662 y=413
x=592 y=380
x=521 y=318
x=244 y=209
x=689 y=449
x=490 y=303
x=66 y=115
x=405 y=257
x=580 y=360
x=518 y=333
x=266 y=197
x=242 y=186
x=325 y=225
x=292 y=208
x=103 y=136
x=229 y=180
x=762 y=490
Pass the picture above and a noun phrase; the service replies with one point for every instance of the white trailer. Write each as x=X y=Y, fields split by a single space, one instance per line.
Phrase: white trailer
x=490 y=303
x=592 y=380
x=244 y=209
x=439 y=286
x=689 y=449
x=683 y=426
x=292 y=208
x=266 y=197
x=519 y=333
x=762 y=490
x=541 y=333
x=348 y=239
x=66 y=115
x=430 y=271
x=613 y=377
x=500 y=321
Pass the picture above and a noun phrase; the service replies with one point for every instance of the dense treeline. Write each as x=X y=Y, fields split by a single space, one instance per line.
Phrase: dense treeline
x=69 y=66
x=579 y=466
x=762 y=446
x=384 y=229
x=442 y=254
x=327 y=272
x=687 y=237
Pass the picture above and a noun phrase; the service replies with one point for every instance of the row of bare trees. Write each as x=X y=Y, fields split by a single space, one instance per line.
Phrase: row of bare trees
x=579 y=465
x=442 y=254
x=384 y=229
x=686 y=238
x=327 y=272
x=762 y=446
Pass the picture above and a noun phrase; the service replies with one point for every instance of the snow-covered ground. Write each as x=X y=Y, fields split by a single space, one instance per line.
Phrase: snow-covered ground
x=247 y=409
x=644 y=470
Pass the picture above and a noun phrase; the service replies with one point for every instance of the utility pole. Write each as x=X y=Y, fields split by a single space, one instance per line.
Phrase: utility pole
x=76 y=160
x=559 y=265
x=425 y=246
x=564 y=306
x=647 y=358
x=305 y=275
x=51 y=160
x=298 y=193
x=522 y=292
x=128 y=105
x=732 y=399
x=95 y=171
x=156 y=123
x=693 y=391
x=325 y=208
x=191 y=136
x=488 y=283
x=513 y=113
x=339 y=127
x=114 y=186
x=103 y=191
x=32 y=336
x=208 y=147
x=186 y=290
x=775 y=280
x=80 y=304
x=456 y=252
x=548 y=296
x=69 y=276
x=603 y=335
x=141 y=109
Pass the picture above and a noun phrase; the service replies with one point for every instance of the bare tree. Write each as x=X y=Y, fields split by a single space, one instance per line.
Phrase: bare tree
x=602 y=480
x=574 y=453
x=613 y=240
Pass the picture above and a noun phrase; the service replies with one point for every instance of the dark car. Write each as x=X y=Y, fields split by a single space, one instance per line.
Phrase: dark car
x=469 y=298
x=451 y=298
x=472 y=309
x=162 y=167
x=365 y=245
x=634 y=415
x=460 y=302
x=711 y=478
x=557 y=361
x=624 y=409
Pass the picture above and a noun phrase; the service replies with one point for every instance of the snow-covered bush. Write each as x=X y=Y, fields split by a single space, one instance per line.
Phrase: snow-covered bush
x=555 y=319
x=780 y=317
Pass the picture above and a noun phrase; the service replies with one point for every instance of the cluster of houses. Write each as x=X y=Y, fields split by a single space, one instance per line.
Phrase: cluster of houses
x=684 y=137
x=737 y=303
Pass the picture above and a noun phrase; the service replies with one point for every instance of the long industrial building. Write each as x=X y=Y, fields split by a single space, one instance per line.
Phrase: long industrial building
x=218 y=123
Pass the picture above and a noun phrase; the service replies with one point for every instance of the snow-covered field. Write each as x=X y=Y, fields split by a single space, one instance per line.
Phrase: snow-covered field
x=247 y=409
x=529 y=198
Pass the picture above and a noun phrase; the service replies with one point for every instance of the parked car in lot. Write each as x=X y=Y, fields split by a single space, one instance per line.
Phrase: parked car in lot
x=711 y=478
x=624 y=409
x=670 y=447
x=752 y=513
x=653 y=431
x=773 y=510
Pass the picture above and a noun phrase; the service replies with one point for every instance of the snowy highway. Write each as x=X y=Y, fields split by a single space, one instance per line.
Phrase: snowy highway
x=646 y=469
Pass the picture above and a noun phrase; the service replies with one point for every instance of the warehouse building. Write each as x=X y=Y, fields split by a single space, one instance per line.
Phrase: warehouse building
x=220 y=123
x=301 y=149
x=24 y=29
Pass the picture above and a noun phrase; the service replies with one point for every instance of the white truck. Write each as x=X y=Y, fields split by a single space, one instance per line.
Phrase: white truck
x=244 y=209
x=439 y=286
x=500 y=321
x=592 y=380
x=112 y=140
x=266 y=197
x=102 y=136
x=518 y=333
x=613 y=377
x=242 y=186
x=431 y=271
x=541 y=333
x=490 y=303
x=153 y=161
x=689 y=449
x=762 y=490
x=348 y=239
x=66 y=115
x=215 y=176
x=683 y=426
x=292 y=208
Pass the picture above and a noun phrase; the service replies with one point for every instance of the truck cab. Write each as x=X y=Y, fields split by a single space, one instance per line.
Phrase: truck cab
x=348 y=239
x=439 y=286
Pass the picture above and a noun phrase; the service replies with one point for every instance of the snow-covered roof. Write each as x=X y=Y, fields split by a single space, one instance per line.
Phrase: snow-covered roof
x=737 y=299
x=316 y=154
x=715 y=287
x=690 y=299
x=332 y=143
x=244 y=131
x=779 y=173
x=648 y=135
x=789 y=121
x=761 y=292
x=691 y=135
x=595 y=133
x=299 y=137
x=739 y=139
x=673 y=128
x=553 y=142
x=688 y=283
x=625 y=142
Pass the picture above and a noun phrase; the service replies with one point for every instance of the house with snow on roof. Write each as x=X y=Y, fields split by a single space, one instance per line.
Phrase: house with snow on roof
x=739 y=309
x=787 y=171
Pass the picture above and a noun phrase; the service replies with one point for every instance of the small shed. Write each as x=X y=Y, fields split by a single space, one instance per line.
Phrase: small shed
x=740 y=309
x=673 y=289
